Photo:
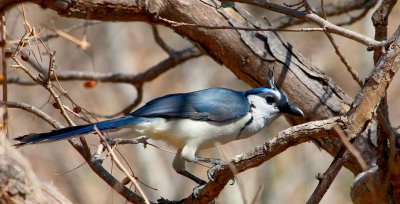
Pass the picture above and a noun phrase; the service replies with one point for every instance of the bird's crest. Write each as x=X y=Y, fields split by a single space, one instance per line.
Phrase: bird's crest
x=271 y=81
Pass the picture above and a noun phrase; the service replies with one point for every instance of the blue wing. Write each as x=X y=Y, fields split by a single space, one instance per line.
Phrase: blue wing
x=215 y=104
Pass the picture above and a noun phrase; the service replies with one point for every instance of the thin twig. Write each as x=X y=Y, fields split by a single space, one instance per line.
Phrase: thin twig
x=234 y=170
x=314 y=18
x=82 y=44
x=351 y=148
x=70 y=29
x=353 y=73
x=33 y=110
x=119 y=164
x=332 y=9
x=70 y=170
x=161 y=42
x=327 y=178
x=183 y=24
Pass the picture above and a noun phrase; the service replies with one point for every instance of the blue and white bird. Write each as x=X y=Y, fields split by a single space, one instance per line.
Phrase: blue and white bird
x=191 y=121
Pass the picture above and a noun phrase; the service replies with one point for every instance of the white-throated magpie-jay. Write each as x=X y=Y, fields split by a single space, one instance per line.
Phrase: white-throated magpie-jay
x=191 y=121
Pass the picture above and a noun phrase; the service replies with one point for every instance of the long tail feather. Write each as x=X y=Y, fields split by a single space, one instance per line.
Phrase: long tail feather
x=74 y=131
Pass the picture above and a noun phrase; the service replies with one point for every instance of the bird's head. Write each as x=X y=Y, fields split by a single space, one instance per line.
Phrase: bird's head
x=272 y=100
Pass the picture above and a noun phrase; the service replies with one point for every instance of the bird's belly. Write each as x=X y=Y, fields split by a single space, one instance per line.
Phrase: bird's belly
x=203 y=134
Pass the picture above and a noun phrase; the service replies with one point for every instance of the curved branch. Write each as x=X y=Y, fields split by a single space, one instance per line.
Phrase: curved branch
x=353 y=123
x=150 y=74
x=288 y=138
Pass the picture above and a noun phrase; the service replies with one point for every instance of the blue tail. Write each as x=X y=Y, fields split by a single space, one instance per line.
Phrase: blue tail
x=73 y=131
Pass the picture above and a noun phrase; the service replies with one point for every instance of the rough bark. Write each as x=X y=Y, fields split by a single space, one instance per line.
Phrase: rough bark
x=19 y=184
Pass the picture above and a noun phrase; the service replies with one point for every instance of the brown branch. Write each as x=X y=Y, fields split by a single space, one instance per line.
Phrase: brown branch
x=311 y=17
x=121 y=166
x=353 y=73
x=380 y=22
x=374 y=89
x=33 y=110
x=146 y=76
x=161 y=42
x=70 y=29
x=132 y=11
x=260 y=154
x=210 y=27
x=327 y=178
x=386 y=136
x=354 y=123
x=333 y=9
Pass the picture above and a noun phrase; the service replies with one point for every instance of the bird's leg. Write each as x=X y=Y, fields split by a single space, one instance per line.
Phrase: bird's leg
x=179 y=165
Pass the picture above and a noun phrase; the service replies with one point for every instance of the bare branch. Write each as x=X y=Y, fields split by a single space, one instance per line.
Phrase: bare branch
x=353 y=73
x=311 y=17
x=374 y=89
x=327 y=178
x=120 y=166
x=33 y=110
x=333 y=9
x=183 y=24
x=161 y=42
x=260 y=154
x=70 y=29
x=380 y=21
x=135 y=79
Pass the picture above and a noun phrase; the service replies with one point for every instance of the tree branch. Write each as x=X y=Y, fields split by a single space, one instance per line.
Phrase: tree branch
x=333 y=9
x=327 y=178
x=288 y=138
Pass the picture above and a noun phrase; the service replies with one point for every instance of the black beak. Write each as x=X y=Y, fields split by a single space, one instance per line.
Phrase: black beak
x=291 y=109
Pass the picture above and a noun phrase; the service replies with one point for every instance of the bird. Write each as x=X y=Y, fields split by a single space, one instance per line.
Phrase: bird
x=191 y=121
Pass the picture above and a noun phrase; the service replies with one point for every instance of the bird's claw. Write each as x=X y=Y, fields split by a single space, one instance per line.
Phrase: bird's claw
x=197 y=190
x=212 y=170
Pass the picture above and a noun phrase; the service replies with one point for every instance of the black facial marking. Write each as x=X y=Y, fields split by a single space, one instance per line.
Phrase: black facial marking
x=245 y=125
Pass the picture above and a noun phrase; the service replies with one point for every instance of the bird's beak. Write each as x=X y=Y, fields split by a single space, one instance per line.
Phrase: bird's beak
x=292 y=109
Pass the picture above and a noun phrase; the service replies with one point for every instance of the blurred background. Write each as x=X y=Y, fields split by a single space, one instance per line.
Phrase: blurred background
x=130 y=48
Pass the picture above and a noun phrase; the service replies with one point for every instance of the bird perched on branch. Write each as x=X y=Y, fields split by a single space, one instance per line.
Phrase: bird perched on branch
x=191 y=121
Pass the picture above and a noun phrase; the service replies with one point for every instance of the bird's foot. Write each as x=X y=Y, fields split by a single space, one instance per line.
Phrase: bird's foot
x=212 y=170
x=209 y=160
x=197 y=190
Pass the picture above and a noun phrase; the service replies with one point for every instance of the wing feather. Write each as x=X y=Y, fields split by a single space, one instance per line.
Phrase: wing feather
x=215 y=104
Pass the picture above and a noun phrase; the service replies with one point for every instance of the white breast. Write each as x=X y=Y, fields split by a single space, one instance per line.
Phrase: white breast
x=203 y=134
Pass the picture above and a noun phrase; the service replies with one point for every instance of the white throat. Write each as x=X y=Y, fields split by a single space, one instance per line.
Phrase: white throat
x=263 y=114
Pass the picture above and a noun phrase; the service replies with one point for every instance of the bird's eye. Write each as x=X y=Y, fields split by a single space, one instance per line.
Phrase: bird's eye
x=270 y=100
